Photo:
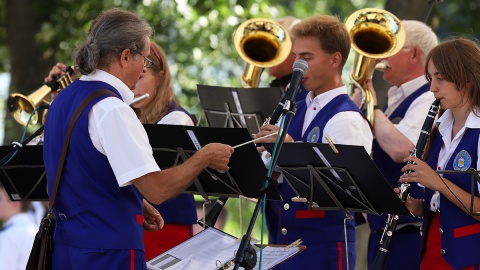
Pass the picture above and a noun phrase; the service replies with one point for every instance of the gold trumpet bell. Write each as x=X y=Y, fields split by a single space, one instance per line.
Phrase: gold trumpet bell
x=21 y=106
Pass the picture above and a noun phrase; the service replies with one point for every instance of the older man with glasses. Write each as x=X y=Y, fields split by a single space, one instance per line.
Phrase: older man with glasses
x=397 y=128
x=109 y=166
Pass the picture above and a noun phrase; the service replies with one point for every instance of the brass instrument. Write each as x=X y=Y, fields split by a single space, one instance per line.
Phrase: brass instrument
x=21 y=107
x=375 y=34
x=261 y=43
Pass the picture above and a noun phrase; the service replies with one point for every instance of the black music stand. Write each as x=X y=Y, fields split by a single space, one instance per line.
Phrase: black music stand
x=474 y=175
x=238 y=107
x=173 y=144
x=24 y=177
x=337 y=177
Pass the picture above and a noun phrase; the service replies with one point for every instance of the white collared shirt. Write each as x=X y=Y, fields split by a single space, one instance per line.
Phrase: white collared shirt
x=348 y=128
x=116 y=132
x=176 y=118
x=445 y=124
x=16 y=241
x=411 y=124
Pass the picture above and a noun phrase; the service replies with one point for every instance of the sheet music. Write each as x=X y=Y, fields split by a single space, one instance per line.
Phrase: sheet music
x=272 y=255
x=210 y=250
x=218 y=253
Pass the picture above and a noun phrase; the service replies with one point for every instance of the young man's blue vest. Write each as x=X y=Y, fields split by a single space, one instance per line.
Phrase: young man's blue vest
x=299 y=223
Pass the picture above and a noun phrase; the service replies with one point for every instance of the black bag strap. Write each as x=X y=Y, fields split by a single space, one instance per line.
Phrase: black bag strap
x=87 y=100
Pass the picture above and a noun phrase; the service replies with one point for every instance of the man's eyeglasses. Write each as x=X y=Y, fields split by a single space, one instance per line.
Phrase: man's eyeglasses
x=147 y=62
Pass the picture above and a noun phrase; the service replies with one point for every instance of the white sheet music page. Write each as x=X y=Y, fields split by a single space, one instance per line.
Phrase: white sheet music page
x=271 y=256
x=210 y=250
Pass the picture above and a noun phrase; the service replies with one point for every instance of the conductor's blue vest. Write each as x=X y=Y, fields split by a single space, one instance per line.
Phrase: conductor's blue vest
x=91 y=210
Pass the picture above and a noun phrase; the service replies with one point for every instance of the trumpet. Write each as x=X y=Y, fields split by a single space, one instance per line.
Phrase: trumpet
x=22 y=107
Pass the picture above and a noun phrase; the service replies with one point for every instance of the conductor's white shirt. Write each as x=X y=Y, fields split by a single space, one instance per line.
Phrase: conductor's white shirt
x=116 y=132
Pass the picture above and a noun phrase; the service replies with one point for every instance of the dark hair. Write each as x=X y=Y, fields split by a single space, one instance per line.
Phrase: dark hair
x=458 y=61
x=113 y=31
x=331 y=33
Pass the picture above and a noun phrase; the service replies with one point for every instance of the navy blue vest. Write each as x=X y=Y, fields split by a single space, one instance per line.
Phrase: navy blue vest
x=312 y=226
x=92 y=210
x=181 y=209
x=392 y=170
x=461 y=232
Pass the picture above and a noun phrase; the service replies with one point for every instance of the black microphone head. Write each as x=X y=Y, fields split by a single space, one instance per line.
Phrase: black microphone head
x=300 y=65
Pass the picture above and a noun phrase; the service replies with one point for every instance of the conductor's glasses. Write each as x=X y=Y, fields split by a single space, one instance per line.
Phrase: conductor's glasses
x=147 y=62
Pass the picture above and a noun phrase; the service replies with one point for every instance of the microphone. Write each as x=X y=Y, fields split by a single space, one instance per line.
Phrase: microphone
x=299 y=68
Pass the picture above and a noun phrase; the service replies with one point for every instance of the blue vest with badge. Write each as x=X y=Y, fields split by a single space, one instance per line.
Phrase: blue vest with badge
x=91 y=210
x=392 y=170
x=460 y=232
x=181 y=209
x=287 y=221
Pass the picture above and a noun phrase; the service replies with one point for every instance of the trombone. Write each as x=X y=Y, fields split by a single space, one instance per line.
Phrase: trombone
x=22 y=107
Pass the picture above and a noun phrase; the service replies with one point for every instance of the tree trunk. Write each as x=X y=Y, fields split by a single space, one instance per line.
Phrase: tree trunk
x=28 y=66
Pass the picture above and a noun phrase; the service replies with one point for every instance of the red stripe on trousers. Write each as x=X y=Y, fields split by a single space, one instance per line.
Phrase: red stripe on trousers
x=139 y=219
x=340 y=255
x=132 y=259
x=309 y=214
x=474 y=267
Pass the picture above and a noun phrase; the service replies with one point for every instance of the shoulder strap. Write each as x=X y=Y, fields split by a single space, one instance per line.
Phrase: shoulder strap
x=75 y=116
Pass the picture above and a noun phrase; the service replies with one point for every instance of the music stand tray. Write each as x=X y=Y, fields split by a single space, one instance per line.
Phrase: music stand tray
x=337 y=177
x=173 y=144
x=24 y=177
x=474 y=178
x=238 y=107
x=212 y=249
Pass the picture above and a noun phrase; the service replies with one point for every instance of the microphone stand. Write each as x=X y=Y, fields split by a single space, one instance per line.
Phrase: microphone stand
x=246 y=255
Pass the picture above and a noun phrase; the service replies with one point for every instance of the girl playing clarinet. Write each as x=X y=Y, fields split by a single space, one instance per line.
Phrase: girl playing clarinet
x=451 y=234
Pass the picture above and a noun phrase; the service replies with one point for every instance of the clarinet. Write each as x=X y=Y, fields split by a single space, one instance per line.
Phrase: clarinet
x=388 y=232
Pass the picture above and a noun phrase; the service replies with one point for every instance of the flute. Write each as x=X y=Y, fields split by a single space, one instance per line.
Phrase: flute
x=392 y=221
x=139 y=98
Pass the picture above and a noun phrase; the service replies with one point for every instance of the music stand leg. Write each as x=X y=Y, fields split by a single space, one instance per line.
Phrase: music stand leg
x=246 y=255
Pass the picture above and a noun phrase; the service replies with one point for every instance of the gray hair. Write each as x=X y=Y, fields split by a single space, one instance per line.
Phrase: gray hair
x=420 y=35
x=113 y=31
x=288 y=22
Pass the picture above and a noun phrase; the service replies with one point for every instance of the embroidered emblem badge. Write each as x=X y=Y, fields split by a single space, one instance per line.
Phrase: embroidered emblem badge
x=462 y=161
x=313 y=135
